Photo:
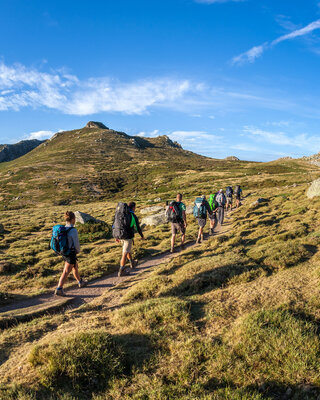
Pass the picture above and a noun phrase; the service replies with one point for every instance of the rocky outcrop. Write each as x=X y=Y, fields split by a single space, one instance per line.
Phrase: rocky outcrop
x=258 y=202
x=150 y=210
x=83 y=218
x=95 y=124
x=232 y=158
x=314 y=189
x=155 y=220
x=9 y=152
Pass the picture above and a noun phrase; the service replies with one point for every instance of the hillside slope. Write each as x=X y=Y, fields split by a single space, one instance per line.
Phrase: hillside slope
x=9 y=152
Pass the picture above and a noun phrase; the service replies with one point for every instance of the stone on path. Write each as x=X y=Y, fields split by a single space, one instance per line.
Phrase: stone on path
x=314 y=189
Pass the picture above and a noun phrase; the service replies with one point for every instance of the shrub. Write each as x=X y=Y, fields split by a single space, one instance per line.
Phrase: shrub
x=87 y=360
x=93 y=231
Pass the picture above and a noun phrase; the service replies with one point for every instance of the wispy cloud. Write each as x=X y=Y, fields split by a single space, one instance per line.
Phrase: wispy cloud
x=255 y=52
x=27 y=87
x=303 y=141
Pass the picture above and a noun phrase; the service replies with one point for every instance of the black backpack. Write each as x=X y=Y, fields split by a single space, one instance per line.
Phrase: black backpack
x=237 y=190
x=229 y=191
x=173 y=212
x=121 y=228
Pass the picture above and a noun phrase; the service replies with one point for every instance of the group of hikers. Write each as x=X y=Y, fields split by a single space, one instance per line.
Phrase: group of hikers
x=65 y=239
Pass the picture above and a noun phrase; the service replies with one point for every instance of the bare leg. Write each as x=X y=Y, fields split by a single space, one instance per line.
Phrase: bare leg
x=67 y=269
x=124 y=259
x=75 y=271
x=183 y=238
x=173 y=239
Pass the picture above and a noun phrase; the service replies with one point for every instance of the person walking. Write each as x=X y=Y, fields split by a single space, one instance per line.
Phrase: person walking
x=213 y=216
x=71 y=261
x=176 y=214
x=238 y=193
x=229 y=194
x=127 y=243
x=200 y=211
x=221 y=201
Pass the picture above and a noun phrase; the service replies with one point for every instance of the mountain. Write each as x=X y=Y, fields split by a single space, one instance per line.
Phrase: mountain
x=94 y=163
x=9 y=152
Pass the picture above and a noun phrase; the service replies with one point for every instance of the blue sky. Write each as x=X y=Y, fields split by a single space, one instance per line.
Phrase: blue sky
x=222 y=77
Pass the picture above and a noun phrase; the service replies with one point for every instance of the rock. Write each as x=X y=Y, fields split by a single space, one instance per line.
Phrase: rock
x=314 y=189
x=95 y=124
x=288 y=392
x=257 y=202
x=150 y=210
x=189 y=210
x=232 y=158
x=155 y=220
x=83 y=218
x=157 y=199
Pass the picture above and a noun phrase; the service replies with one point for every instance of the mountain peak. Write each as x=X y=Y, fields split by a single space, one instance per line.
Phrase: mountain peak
x=95 y=124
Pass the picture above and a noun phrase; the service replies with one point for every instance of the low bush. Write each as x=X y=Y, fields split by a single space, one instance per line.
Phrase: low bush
x=93 y=231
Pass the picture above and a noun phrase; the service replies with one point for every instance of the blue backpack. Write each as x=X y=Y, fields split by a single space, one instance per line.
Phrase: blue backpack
x=59 y=240
x=199 y=209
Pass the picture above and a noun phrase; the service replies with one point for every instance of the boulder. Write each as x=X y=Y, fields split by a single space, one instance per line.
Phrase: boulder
x=83 y=218
x=314 y=189
x=189 y=209
x=155 y=220
x=151 y=210
x=257 y=202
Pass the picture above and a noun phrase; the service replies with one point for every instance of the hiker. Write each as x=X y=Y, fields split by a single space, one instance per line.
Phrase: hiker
x=238 y=193
x=229 y=193
x=125 y=224
x=200 y=210
x=213 y=216
x=71 y=261
x=221 y=201
x=176 y=214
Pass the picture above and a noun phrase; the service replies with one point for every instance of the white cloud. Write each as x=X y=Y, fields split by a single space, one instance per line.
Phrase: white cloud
x=26 y=87
x=255 y=52
x=212 y=117
x=40 y=135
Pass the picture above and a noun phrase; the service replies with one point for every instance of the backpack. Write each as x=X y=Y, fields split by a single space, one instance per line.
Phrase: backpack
x=212 y=202
x=199 y=209
x=229 y=191
x=173 y=212
x=59 y=240
x=237 y=190
x=221 y=199
x=121 y=228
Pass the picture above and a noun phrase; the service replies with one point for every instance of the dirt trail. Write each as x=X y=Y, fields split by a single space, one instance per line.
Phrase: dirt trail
x=97 y=287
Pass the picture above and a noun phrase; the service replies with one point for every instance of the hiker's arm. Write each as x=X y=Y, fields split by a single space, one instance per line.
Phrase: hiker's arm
x=138 y=226
x=76 y=241
x=184 y=217
x=207 y=205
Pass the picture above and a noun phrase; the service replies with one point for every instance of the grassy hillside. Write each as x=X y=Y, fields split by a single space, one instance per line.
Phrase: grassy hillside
x=236 y=317
x=94 y=164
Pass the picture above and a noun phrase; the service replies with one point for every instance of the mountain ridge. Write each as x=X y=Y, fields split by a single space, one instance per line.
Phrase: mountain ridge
x=10 y=152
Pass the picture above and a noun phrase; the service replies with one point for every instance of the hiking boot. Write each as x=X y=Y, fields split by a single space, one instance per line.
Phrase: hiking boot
x=123 y=272
x=172 y=250
x=59 y=292
x=133 y=264
x=82 y=283
x=198 y=241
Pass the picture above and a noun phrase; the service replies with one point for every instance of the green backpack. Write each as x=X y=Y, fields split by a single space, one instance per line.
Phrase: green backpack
x=212 y=202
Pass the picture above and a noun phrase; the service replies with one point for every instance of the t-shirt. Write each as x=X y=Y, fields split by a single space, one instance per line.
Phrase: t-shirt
x=182 y=208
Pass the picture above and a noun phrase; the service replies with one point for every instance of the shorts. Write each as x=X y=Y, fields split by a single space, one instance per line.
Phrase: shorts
x=71 y=258
x=127 y=245
x=178 y=227
x=238 y=196
x=202 y=222
x=229 y=200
